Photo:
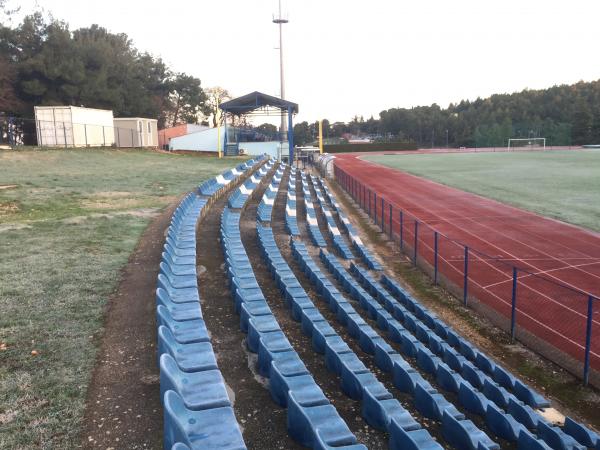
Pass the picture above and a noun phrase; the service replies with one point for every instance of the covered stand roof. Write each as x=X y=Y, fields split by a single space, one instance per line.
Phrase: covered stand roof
x=257 y=101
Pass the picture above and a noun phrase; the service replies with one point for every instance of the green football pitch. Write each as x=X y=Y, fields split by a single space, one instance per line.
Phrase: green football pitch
x=564 y=185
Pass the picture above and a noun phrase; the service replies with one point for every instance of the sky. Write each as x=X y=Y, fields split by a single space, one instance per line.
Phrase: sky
x=346 y=57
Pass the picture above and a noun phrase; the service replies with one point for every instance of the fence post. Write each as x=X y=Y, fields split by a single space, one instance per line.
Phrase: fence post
x=85 y=132
x=391 y=229
x=103 y=136
x=466 y=276
x=416 y=240
x=132 y=141
x=588 y=340
x=375 y=210
x=64 y=134
x=401 y=230
x=513 y=307
x=382 y=215
x=369 y=212
x=435 y=257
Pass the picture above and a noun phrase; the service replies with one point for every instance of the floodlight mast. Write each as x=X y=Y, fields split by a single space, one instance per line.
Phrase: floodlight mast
x=280 y=20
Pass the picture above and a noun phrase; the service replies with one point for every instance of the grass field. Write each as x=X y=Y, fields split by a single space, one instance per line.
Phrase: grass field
x=68 y=221
x=564 y=185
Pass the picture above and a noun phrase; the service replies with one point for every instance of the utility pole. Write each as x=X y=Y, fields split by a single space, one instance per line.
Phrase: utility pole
x=280 y=21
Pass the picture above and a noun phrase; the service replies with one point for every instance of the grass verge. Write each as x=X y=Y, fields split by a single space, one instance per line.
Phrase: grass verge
x=69 y=220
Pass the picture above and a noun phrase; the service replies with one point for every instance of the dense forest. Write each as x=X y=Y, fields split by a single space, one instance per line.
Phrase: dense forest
x=43 y=62
x=564 y=115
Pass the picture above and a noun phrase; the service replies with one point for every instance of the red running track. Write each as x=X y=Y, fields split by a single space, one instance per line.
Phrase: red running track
x=559 y=264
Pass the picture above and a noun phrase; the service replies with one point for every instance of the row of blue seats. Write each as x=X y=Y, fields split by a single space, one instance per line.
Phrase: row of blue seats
x=483 y=386
x=339 y=241
x=458 y=431
x=311 y=419
x=484 y=364
x=526 y=398
x=311 y=215
x=215 y=185
x=357 y=244
x=379 y=408
x=265 y=207
x=455 y=373
x=241 y=195
x=291 y=219
x=302 y=310
x=197 y=410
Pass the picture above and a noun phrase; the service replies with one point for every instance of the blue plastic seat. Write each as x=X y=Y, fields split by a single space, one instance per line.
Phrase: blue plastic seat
x=503 y=377
x=271 y=344
x=485 y=363
x=215 y=428
x=379 y=412
x=185 y=332
x=581 y=433
x=189 y=357
x=198 y=390
x=304 y=388
x=321 y=331
x=354 y=383
x=257 y=325
x=419 y=439
x=179 y=311
x=556 y=438
x=464 y=434
x=528 y=441
x=471 y=399
x=318 y=426
x=433 y=404
x=447 y=378
x=523 y=413
x=427 y=361
x=529 y=396
x=178 y=295
x=502 y=424
x=473 y=375
x=406 y=378
x=496 y=393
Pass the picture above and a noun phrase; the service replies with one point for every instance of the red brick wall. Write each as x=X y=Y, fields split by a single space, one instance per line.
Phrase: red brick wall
x=165 y=135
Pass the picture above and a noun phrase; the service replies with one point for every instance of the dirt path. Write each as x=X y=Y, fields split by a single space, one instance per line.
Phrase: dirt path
x=123 y=401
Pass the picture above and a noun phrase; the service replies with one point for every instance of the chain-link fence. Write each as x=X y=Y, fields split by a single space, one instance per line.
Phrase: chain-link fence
x=546 y=314
x=16 y=132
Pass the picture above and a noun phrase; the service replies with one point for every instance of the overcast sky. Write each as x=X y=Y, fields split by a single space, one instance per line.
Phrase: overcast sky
x=347 y=57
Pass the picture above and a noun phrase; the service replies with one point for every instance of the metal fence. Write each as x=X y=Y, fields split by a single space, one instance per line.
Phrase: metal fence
x=554 y=319
x=15 y=132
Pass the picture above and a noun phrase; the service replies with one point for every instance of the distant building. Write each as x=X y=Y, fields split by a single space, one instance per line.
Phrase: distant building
x=136 y=132
x=73 y=126
x=250 y=142
x=166 y=134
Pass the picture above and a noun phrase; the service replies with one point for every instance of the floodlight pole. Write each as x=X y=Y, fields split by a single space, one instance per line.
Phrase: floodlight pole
x=280 y=21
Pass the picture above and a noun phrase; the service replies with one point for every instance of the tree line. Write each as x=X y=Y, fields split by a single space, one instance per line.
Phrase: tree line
x=43 y=62
x=564 y=115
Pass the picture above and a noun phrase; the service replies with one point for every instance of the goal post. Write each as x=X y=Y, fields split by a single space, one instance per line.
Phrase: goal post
x=524 y=144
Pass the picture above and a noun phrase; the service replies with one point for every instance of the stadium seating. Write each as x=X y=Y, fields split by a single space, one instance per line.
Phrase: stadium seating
x=197 y=409
x=312 y=420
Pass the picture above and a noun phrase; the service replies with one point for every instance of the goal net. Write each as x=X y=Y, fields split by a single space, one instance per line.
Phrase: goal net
x=523 y=144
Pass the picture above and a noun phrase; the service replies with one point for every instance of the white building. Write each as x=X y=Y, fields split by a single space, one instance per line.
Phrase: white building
x=207 y=141
x=136 y=132
x=73 y=126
